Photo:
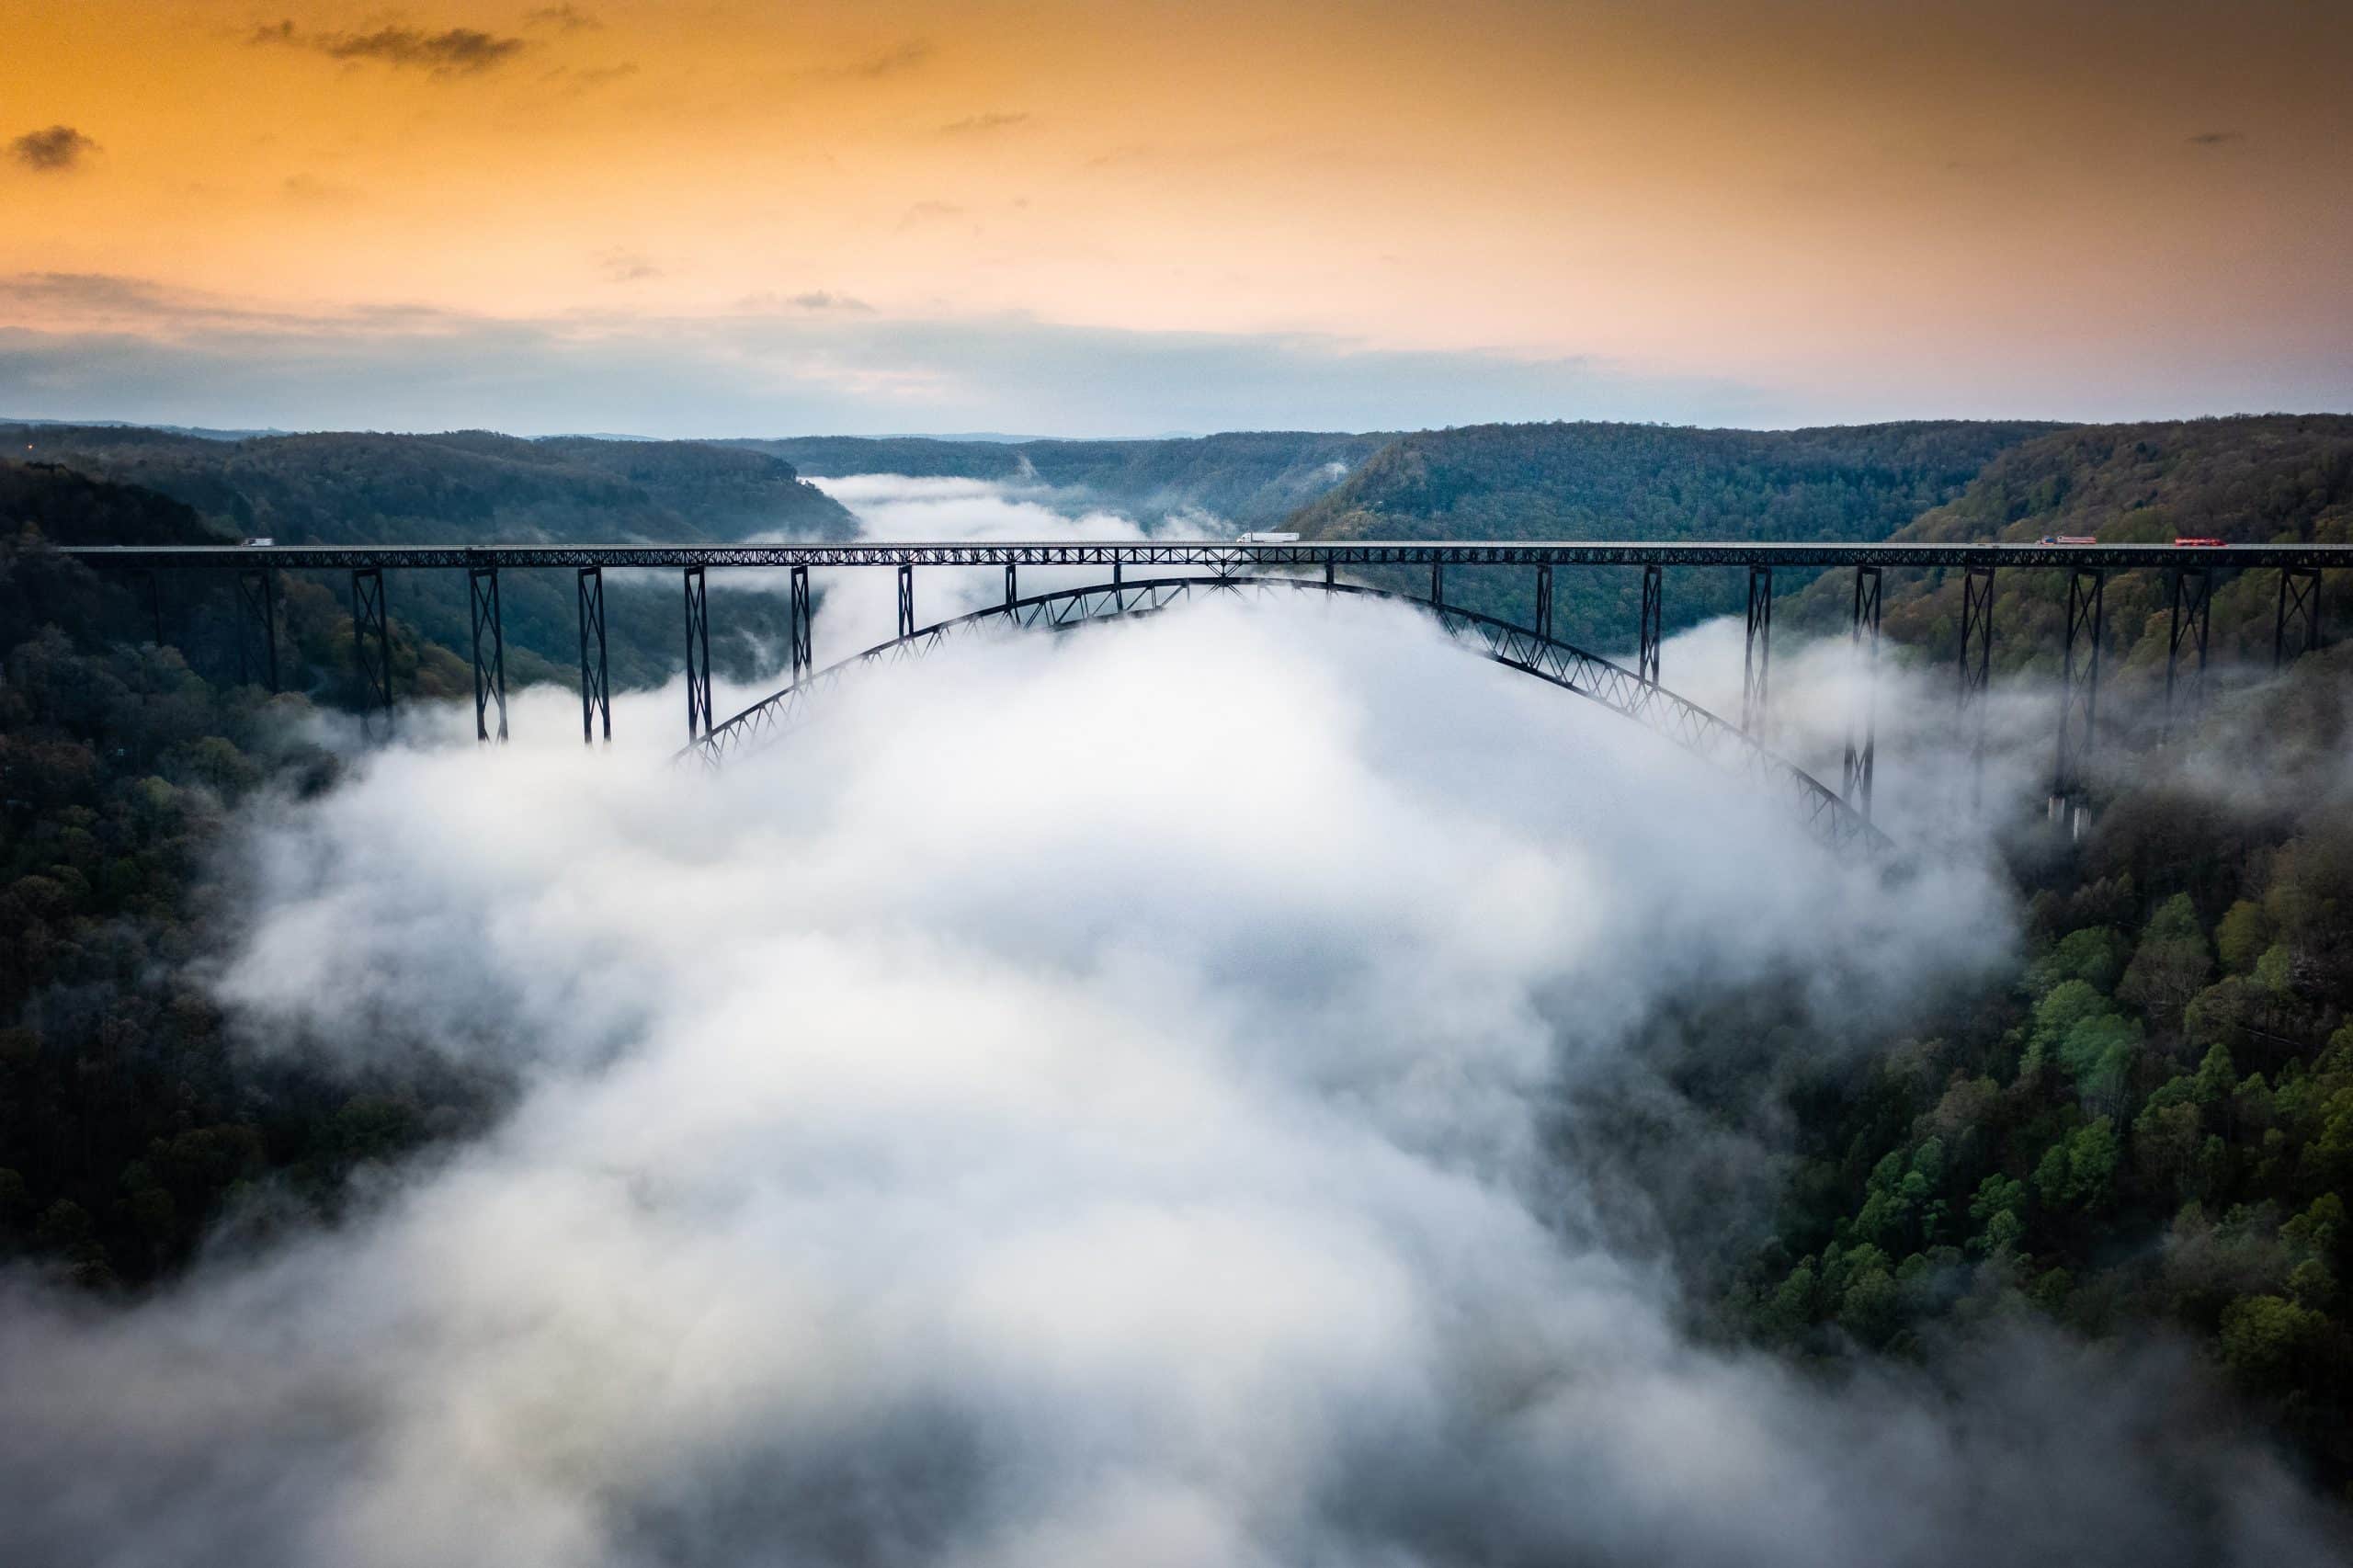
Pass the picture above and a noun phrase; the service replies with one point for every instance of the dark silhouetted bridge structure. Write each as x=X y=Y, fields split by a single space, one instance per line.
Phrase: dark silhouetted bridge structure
x=1186 y=569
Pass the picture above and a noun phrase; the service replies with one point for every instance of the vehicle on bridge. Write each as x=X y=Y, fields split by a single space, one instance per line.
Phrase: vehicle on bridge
x=2070 y=538
x=1266 y=538
x=2187 y=542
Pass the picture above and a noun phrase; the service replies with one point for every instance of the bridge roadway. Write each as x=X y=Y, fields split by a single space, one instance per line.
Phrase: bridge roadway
x=1212 y=552
x=2191 y=571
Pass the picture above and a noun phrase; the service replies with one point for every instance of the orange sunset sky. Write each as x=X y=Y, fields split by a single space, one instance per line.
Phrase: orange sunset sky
x=1108 y=218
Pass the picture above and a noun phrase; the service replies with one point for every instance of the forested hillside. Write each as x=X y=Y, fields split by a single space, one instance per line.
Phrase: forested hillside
x=1252 y=478
x=477 y=486
x=2269 y=480
x=129 y=1127
x=1597 y=481
x=2148 y=1127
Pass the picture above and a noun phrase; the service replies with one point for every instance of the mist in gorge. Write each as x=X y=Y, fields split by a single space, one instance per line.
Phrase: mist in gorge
x=1110 y=1098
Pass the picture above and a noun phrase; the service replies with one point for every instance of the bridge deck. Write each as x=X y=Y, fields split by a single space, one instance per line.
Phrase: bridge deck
x=1223 y=553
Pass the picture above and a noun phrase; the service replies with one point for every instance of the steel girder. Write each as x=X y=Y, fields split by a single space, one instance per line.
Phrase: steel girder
x=2296 y=631
x=697 y=654
x=1818 y=809
x=2193 y=595
x=1862 y=735
x=801 y=662
x=2079 y=682
x=1654 y=620
x=1757 y=668
x=371 y=652
x=257 y=625
x=596 y=688
x=1976 y=664
x=490 y=669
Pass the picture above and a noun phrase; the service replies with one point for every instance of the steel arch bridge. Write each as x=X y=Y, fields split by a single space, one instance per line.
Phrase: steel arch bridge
x=1819 y=810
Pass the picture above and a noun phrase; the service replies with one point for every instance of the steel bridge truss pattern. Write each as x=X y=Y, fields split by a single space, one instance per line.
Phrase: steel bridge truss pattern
x=2079 y=684
x=2296 y=631
x=256 y=626
x=2193 y=595
x=1819 y=810
x=1976 y=664
x=596 y=687
x=371 y=654
x=489 y=664
x=1862 y=736
x=1757 y=665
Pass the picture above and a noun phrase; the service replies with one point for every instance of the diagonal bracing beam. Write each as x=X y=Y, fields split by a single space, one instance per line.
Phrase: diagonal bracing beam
x=1757 y=668
x=2079 y=685
x=489 y=664
x=2193 y=595
x=1862 y=738
x=596 y=687
x=371 y=652
x=1654 y=609
x=698 y=654
x=2297 y=630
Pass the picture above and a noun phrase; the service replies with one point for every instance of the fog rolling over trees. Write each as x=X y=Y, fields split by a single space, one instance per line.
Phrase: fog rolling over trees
x=981 y=1132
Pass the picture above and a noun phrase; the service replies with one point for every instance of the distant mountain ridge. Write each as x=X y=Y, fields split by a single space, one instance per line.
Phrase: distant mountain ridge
x=1615 y=480
x=1248 y=478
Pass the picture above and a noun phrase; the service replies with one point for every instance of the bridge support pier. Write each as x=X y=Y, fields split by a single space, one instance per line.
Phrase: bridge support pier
x=1654 y=610
x=156 y=603
x=1119 y=588
x=801 y=662
x=1438 y=586
x=906 y=598
x=371 y=651
x=1757 y=668
x=257 y=625
x=490 y=672
x=2078 y=698
x=2296 y=631
x=595 y=694
x=698 y=654
x=1330 y=575
x=1862 y=738
x=1544 y=603
x=1976 y=666
x=1011 y=592
x=2193 y=593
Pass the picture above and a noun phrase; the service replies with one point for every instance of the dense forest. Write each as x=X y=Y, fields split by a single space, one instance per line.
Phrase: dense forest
x=131 y=1131
x=1252 y=478
x=2146 y=1127
x=1601 y=482
x=480 y=487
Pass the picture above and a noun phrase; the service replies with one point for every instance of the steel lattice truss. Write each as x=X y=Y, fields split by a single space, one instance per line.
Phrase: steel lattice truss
x=1818 y=808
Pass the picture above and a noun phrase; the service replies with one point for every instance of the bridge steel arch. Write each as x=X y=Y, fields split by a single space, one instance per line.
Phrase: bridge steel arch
x=1819 y=808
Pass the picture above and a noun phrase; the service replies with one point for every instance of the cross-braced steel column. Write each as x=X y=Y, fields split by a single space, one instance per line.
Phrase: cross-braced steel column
x=2193 y=593
x=371 y=650
x=698 y=654
x=1976 y=664
x=1330 y=576
x=1862 y=749
x=2297 y=630
x=1544 y=603
x=257 y=624
x=156 y=603
x=1011 y=592
x=595 y=694
x=1437 y=584
x=906 y=599
x=1757 y=669
x=802 y=661
x=1119 y=588
x=1654 y=611
x=490 y=672
x=2078 y=693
